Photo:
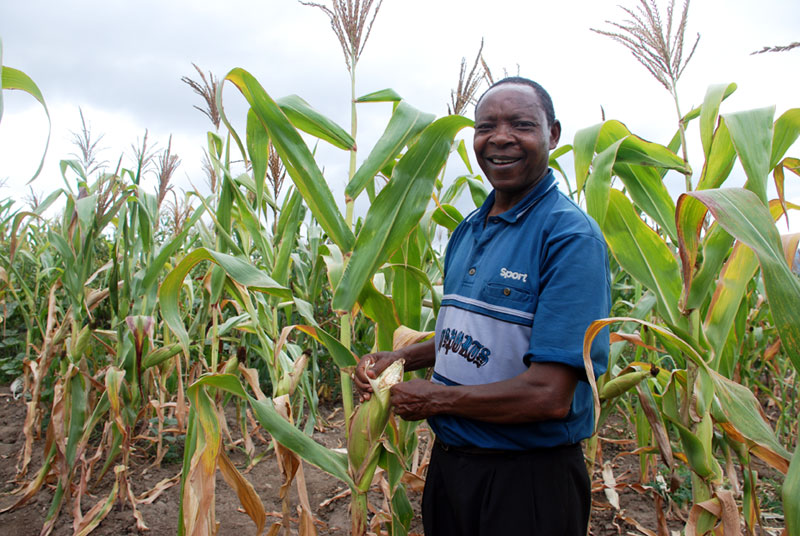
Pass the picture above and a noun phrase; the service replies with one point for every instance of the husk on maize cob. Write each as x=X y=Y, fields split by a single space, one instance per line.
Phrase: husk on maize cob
x=367 y=425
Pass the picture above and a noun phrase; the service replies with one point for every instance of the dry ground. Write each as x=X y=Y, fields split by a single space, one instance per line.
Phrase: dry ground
x=162 y=515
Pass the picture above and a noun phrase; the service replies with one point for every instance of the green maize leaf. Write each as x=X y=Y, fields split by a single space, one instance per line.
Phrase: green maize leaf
x=215 y=145
x=247 y=218
x=289 y=234
x=225 y=239
x=715 y=94
x=282 y=430
x=422 y=278
x=168 y=250
x=85 y=208
x=743 y=419
x=398 y=208
x=447 y=216
x=703 y=395
x=477 y=190
x=406 y=123
x=584 y=143
x=793 y=165
x=309 y=120
x=402 y=512
x=334 y=262
x=454 y=190
x=716 y=246
x=237 y=269
x=384 y=95
x=380 y=310
x=296 y=157
x=287 y=213
x=611 y=132
x=641 y=252
x=751 y=134
x=462 y=152
x=635 y=150
x=748 y=220
x=690 y=218
x=78 y=413
x=689 y=215
x=560 y=151
x=627 y=155
x=339 y=353
x=598 y=183
x=306 y=310
x=406 y=289
x=553 y=163
x=786 y=131
x=232 y=322
x=145 y=227
x=695 y=450
x=648 y=192
x=266 y=197
x=719 y=163
x=258 y=149
x=730 y=288
x=790 y=492
x=11 y=78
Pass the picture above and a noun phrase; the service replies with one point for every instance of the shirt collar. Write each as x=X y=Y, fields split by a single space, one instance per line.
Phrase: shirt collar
x=547 y=183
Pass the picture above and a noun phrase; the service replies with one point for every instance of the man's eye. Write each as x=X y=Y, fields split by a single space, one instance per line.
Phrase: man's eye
x=525 y=125
x=483 y=127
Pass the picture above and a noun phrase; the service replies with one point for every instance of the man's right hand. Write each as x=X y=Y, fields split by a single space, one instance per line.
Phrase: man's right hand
x=370 y=366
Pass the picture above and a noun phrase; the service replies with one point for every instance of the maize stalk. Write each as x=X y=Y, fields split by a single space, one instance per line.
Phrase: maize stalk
x=367 y=425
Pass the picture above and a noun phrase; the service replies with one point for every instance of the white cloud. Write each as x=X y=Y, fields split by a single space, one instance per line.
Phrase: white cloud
x=122 y=62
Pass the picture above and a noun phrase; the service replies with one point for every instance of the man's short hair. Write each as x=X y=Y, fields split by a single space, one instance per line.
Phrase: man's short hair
x=544 y=96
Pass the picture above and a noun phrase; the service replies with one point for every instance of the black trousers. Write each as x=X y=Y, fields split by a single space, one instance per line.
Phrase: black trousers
x=543 y=492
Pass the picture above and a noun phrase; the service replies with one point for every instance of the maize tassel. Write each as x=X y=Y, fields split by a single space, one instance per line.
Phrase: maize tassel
x=367 y=425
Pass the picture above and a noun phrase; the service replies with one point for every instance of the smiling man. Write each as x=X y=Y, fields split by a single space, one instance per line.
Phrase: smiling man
x=508 y=400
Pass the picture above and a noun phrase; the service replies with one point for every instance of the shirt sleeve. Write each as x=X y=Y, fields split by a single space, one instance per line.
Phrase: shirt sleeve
x=574 y=290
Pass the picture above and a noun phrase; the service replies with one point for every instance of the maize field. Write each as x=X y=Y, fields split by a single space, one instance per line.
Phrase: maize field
x=215 y=333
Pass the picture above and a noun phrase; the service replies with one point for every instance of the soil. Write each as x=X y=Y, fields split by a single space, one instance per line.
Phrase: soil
x=636 y=503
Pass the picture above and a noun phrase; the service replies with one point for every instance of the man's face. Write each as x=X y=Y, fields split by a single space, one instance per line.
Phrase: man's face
x=512 y=140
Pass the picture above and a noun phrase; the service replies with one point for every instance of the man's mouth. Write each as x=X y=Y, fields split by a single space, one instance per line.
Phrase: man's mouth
x=502 y=160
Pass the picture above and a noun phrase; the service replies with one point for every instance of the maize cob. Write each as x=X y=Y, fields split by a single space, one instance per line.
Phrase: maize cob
x=624 y=382
x=367 y=425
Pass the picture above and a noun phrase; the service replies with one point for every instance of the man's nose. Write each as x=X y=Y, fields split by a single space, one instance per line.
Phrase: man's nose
x=501 y=135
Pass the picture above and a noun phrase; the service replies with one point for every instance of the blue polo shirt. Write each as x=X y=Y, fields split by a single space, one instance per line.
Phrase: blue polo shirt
x=521 y=287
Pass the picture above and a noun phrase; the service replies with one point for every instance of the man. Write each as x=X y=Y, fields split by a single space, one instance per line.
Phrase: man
x=525 y=275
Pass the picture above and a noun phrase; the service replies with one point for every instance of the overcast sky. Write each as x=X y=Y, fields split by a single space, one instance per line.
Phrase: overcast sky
x=121 y=62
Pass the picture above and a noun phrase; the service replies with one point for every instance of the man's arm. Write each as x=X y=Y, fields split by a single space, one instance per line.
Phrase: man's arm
x=417 y=356
x=542 y=392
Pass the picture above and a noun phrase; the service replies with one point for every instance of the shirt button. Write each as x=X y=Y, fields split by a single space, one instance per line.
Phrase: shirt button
x=472 y=271
x=506 y=291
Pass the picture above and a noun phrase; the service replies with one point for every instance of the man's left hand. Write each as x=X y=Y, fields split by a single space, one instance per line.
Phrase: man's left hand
x=414 y=400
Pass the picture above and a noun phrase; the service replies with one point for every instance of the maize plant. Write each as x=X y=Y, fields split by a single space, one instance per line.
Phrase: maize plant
x=697 y=284
x=394 y=214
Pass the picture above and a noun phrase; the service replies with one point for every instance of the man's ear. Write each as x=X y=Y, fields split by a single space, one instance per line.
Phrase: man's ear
x=555 y=134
